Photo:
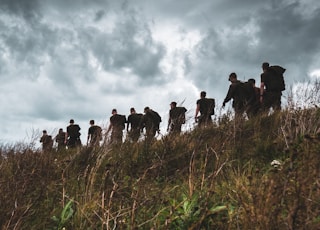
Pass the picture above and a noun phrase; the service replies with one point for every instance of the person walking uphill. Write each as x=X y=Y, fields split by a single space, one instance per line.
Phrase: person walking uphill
x=151 y=122
x=242 y=94
x=59 y=138
x=206 y=108
x=46 y=141
x=177 y=117
x=134 y=123
x=72 y=138
x=117 y=125
x=271 y=87
x=254 y=106
x=94 y=135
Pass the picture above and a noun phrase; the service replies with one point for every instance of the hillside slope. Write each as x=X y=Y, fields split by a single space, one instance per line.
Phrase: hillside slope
x=220 y=177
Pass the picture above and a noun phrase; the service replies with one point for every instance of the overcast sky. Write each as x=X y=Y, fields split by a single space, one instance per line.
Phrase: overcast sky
x=79 y=59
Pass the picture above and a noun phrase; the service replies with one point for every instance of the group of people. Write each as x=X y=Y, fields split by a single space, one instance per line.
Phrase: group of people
x=247 y=98
x=134 y=124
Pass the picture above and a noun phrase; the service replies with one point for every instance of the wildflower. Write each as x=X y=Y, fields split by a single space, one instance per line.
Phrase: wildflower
x=276 y=164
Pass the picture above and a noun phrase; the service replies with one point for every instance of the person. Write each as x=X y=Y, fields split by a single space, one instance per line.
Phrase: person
x=254 y=106
x=94 y=135
x=46 y=141
x=151 y=122
x=59 y=138
x=205 y=107
x=72 y=137
x=133 y=122
x=270 y=94
x=117 y=125
x=176 y=118
x=241 y=93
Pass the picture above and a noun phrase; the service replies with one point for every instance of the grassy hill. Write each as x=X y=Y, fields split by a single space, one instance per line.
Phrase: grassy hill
x=221 y=177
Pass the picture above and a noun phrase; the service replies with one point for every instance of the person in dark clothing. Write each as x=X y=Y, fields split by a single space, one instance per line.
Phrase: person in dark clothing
x=151 y=122
x=72 y=138
x=46 y=141
x=205 y=111
x=176 y=118
x=133 y=122
x=269 y=98
x=117 y=125
x=242 y=94
x=254 y=106
x=94 y=135
x=59 y=138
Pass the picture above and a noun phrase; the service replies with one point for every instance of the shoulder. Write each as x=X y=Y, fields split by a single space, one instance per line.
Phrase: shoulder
x=181 y=109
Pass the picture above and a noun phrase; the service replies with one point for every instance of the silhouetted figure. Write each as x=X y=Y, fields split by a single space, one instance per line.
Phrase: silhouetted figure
x=206 y=107
x=59 y=138
x=46 y=141
x=242 y=95
x=271 y=87
x=94 y=135
x=176 y=118
x=151 y=122
x=133 y=123
x=72 y=138
x=117 y=125
x=254 y=106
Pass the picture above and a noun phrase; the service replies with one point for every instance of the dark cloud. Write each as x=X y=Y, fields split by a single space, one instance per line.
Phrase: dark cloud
x=65 y=58
x=28 y=10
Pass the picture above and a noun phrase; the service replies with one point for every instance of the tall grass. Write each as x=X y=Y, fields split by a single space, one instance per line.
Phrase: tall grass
x=219 y=177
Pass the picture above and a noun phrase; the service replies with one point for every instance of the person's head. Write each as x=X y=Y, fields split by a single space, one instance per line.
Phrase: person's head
x=232 y=77
x=114 y=111
x=146 y=109
x=252 y=81
x=265 y=66
x=203 y=94
x=44 y=132
x=173 y=104
x=71 y=121
x=60 y=130
x=132 y=110
x=91 y=122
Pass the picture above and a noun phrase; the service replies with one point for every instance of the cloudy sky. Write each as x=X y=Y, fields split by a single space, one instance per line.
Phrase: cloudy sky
x=80 y=59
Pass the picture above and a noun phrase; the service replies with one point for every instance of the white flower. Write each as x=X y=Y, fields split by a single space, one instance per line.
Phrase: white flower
x=276 y=163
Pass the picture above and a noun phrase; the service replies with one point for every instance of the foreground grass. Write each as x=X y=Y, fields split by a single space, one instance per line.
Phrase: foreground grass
x=214 y=178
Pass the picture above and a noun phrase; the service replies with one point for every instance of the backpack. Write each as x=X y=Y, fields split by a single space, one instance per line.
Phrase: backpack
x=122 y=121
x=245 y=92
x=74 y=131
x=276 y=83
x=50 y=141
x=155 y=117
x=211 y=104
x=118 y=120
x=181 y=114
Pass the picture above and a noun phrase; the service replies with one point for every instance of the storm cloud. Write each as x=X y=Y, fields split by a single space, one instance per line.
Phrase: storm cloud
x=80 y=59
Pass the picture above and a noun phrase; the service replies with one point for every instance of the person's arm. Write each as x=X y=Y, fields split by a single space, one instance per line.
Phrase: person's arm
x=261 y=91
x=66 y=138
x=169 y=122
x=128 y=122
x=197 y=111
x=229 y=95
x=88 y=138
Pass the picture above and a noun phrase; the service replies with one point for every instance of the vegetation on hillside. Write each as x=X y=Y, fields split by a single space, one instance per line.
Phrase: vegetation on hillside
x=262 y=173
